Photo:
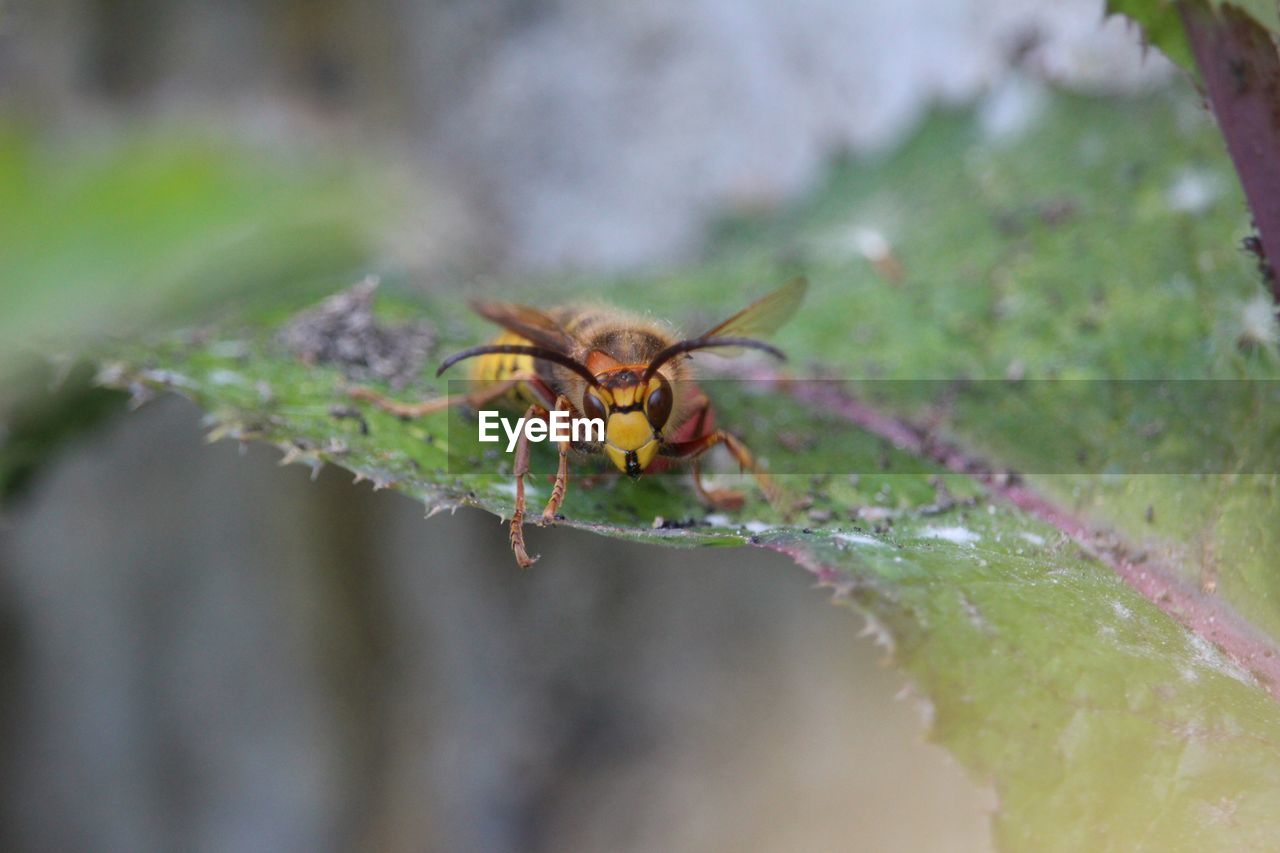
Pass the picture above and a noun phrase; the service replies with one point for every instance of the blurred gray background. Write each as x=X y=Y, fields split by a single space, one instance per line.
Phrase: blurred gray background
x=203 y=651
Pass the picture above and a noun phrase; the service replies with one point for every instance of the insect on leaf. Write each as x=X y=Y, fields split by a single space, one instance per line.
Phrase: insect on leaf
x=1095 y=641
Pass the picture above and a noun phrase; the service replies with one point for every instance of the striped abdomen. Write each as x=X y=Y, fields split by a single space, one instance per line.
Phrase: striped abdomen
x=497 y=368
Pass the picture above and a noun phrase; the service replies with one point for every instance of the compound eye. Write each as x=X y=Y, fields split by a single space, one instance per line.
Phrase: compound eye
x=658 y=404
x=593 y=407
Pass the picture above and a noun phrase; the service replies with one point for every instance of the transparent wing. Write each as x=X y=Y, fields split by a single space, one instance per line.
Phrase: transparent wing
x=764 y=316
x=530 y=323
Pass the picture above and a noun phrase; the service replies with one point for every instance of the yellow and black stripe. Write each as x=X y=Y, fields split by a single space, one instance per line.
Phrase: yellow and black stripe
x=499 y=367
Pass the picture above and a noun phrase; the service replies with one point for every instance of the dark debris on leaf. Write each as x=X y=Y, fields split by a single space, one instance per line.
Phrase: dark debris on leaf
x=342 y=331
x=350 y=413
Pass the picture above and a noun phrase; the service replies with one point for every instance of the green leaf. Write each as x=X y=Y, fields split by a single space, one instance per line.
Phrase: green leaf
x=1107 y=714
x=1162 y=25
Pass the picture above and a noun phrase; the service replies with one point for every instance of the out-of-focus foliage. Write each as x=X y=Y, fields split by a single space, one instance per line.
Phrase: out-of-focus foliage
x=1162 y=25
x=111 y=236
x=1076 y=251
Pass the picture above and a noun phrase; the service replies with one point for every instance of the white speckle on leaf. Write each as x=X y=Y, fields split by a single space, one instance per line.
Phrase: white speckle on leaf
x=954 y=534
x=976 y=619
x=859 y=539
x=1193 y=191
x=871 y=244
x=510 y=489
x=754 y=526
x=170 y=378
x=1223 y=811
x=226 y=377
x=1034 y=538
x=1206 y=654
x=719 y=519
x=1121 y=610
x=856 y=240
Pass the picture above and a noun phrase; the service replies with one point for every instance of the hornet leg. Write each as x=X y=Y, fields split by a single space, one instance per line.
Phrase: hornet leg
x=562 y=472
x=723 y=498
x=517 y=516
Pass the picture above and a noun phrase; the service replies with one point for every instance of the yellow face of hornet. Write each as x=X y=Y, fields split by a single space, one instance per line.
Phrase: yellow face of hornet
x=634 y=412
